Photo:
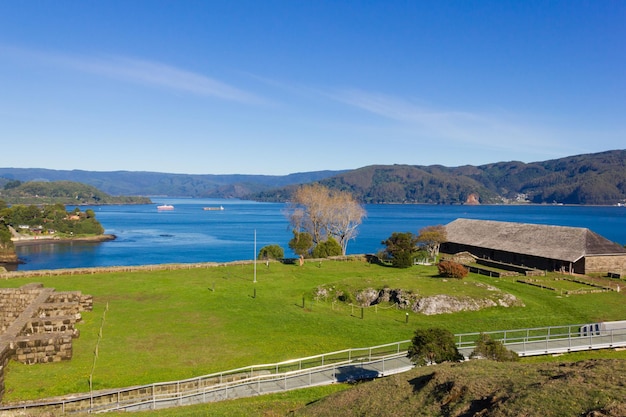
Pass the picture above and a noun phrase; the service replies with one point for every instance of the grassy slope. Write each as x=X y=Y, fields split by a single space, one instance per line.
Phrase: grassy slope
x=487 y=388
x=171 y=325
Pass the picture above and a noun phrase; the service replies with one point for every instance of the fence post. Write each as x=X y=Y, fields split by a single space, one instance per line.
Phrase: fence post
x=569 y=338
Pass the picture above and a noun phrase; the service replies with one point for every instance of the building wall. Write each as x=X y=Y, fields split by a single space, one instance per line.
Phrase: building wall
x=536 y=262
x=603 y=264
x=590 y=264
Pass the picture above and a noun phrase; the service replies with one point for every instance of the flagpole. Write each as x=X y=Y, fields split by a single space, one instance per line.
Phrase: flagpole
x=254 y=255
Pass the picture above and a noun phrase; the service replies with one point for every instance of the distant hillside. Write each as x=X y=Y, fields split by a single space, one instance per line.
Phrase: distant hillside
x=174 y=185
x=63 y=192
x=595 y=179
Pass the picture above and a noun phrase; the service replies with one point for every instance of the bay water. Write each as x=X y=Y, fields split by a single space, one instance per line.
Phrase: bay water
x=190 y=234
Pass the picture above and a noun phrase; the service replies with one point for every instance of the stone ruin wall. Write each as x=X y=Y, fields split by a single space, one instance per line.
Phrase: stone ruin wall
x=603 y=264
x=37 y=324
x=12 y=304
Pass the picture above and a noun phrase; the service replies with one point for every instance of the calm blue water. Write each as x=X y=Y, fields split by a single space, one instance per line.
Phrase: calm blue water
x=189 y=234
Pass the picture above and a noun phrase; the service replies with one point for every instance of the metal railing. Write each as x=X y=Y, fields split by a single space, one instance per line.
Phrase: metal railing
x=339 y=366
x=228 y=384
x=548 y=340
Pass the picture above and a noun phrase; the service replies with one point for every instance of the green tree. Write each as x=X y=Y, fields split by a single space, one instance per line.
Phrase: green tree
x=271 y=252
x=430 y=239
x=491 y=349
x=400 y=248
x=12 y=184
x=329 y=247
x=301 y=244
x=432 y=346
x=53 y=217
x=6 y=244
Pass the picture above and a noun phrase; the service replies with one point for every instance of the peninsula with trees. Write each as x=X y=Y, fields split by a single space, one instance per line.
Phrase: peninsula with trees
x=28 y=224
x=35 y=212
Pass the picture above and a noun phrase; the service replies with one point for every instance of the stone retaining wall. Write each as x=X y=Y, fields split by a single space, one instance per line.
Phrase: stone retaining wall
x=5 y=354
x=37 y=324
x=12 y=304
x=44 y=348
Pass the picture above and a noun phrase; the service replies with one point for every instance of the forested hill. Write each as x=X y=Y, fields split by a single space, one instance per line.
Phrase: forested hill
x=141 y=183
x=594 y=179
x=63 y=192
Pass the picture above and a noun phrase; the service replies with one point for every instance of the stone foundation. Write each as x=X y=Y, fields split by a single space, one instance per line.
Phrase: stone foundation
x=37 y=324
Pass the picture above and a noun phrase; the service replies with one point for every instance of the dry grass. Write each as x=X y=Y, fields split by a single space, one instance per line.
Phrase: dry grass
x=489 y=389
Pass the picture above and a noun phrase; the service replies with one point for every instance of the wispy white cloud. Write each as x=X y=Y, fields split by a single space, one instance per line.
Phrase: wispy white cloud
x=461 y=127
x=140 y=71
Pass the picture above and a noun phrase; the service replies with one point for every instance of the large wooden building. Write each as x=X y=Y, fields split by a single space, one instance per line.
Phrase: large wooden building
x=551 y=248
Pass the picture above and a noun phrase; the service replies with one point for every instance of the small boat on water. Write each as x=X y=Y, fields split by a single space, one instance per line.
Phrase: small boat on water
x=213 y=208
x=165 y=207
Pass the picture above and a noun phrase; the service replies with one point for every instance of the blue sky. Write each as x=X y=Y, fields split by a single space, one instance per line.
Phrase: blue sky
x=277 y=87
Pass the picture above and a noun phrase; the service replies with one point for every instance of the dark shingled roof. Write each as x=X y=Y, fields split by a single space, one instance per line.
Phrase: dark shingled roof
x=554 y=242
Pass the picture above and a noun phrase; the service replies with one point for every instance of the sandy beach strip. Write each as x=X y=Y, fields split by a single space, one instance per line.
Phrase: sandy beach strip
x=51 y=240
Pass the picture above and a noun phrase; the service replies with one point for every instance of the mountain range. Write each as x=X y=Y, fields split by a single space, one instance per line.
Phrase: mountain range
x=592 y=179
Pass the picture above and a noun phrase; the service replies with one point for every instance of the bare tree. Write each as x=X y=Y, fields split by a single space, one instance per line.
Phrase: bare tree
x=309 y=206
x=345 y=217
x=323 y=213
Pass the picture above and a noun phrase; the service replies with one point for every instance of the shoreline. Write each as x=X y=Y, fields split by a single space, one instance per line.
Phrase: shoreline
x=54 y=240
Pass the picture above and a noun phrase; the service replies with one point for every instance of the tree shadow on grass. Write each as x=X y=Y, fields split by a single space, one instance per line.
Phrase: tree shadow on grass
x=355 y=373
x=420 y=382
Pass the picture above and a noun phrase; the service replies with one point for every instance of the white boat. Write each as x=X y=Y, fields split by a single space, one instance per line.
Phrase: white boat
x=165 y=207
x=213 y=208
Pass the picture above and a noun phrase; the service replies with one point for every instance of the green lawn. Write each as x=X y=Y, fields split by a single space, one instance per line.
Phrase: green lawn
x=169 y=325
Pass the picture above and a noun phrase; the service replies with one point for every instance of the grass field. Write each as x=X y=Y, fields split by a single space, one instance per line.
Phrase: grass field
x=170 y=325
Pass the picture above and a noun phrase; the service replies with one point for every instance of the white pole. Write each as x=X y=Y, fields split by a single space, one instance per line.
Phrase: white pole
x=255 y=255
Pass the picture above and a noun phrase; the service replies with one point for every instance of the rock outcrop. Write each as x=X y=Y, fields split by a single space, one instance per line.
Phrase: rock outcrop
x=428 y=305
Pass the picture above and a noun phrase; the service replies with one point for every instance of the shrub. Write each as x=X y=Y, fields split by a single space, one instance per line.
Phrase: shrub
x=271 y=252
x=495 y=350
x=327 y=248
x=302 y=243
x=432 y=346
x=451 y=269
